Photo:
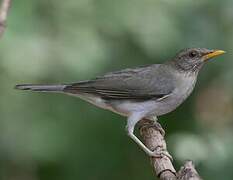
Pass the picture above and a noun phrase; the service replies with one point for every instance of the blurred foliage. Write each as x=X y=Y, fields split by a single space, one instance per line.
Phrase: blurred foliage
x=52 y=136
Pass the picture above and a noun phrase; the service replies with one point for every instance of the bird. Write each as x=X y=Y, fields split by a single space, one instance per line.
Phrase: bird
x=144 y=92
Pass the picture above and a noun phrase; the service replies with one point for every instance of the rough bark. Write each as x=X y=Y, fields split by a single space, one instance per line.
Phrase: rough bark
x=153 y=136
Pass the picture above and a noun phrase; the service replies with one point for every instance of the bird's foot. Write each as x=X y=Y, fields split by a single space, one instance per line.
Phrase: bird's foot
x=160 y=153
x=155 y=125
x=159 y=128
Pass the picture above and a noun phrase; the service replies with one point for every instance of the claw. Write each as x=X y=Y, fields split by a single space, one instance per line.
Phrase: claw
x=160 y=153
x=160 y=129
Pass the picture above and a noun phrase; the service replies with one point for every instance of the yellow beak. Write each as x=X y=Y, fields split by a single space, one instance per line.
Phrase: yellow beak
x=213 y=54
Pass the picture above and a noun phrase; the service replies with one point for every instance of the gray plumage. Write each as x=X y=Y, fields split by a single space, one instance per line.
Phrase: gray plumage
x=150 y=82
x=143 y=92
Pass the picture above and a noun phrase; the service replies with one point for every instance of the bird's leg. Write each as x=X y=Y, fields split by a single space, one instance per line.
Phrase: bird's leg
x=158 y=152
x=130 y=130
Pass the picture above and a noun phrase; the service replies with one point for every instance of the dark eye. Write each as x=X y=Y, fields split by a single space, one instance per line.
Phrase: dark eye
x=193 y=54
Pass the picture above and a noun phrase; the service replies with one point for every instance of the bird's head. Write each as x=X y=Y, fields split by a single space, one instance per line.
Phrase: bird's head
x=192 y=59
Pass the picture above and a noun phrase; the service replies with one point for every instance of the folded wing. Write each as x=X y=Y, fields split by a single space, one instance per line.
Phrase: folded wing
x=149 y=82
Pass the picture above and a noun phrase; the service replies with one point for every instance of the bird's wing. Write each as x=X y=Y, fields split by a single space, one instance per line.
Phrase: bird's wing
x=149 y=82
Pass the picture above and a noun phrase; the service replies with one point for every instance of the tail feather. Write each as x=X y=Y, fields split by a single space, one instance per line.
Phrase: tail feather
x=41 y=87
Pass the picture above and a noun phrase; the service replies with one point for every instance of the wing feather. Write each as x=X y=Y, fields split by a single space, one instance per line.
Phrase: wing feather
x=150 y=82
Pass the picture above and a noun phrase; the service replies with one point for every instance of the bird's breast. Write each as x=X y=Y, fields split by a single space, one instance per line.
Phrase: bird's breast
x=184 y=87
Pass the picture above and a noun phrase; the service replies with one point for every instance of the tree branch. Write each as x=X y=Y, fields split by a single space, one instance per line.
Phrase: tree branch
x=5 y=6
x=153 y=136
x=188 y=171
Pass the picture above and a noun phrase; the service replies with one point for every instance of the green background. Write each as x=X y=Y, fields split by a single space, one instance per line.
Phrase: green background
x=53 y=136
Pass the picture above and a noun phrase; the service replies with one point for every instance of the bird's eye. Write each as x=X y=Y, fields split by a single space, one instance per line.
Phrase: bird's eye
x=193 y=54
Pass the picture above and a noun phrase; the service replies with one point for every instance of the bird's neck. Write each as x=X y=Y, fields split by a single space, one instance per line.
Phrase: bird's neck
x=192 y=71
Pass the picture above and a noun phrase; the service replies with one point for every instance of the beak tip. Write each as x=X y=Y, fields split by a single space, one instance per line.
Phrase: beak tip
x=214 y=53
x=219 y=51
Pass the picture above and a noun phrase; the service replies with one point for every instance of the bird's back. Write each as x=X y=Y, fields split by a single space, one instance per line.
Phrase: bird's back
x=140 y=83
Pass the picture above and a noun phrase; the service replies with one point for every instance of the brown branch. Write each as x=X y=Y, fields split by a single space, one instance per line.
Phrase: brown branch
x=188 y=171
x=5 y=6
x=153 y=136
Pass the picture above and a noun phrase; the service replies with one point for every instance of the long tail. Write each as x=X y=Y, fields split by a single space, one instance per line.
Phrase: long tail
x=41 y=87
